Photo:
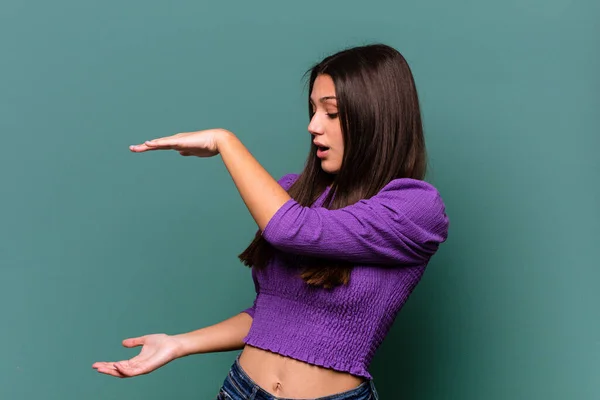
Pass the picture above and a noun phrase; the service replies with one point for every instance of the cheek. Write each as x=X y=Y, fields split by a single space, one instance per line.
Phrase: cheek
x=340 y=142
x=336 y=135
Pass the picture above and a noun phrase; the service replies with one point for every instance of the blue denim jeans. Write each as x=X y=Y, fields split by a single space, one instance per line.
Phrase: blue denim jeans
x=239 y=386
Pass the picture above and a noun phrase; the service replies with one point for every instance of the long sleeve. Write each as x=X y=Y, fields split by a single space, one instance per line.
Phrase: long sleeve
x=402 y=225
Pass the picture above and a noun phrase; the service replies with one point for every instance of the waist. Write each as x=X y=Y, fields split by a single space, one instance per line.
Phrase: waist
x=286 y=377
x=342 y=338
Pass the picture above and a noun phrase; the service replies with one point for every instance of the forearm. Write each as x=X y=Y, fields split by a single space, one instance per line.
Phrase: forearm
x=261 y=193
x=225 y=336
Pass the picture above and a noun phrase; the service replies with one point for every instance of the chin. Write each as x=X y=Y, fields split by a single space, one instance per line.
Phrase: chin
x=330 y=169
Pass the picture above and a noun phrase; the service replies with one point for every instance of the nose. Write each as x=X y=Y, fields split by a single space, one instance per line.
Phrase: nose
x=315 y=127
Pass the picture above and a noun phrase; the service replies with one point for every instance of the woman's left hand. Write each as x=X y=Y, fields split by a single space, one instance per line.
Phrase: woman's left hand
x=200 y=144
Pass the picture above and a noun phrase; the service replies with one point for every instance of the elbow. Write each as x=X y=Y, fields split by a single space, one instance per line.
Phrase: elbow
x=281 y=229
x=275 y=239
x=295 y=229
x=435 y=239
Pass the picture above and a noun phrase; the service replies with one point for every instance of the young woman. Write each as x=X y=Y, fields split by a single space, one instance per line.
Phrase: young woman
x=339 y=248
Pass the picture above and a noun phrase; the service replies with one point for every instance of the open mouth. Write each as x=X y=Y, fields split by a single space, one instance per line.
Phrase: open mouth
x=322 y=151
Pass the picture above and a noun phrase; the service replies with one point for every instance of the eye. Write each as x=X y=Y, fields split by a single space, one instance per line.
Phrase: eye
x=332 y=115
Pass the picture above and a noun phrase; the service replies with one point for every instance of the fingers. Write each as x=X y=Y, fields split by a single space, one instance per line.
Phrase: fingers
x=140 y=148
x=130 y=368
x=121 y=369
x=161 y=143
x=125 y=368
x=107 y=368
x=164 y=143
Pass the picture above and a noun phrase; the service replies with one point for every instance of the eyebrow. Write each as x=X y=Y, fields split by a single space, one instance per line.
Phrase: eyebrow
x=324 y=99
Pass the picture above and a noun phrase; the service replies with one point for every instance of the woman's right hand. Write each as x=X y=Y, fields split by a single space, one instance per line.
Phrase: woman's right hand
x=157 y=350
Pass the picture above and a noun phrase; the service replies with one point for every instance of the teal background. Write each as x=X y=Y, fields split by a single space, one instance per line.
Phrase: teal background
x=98 y=244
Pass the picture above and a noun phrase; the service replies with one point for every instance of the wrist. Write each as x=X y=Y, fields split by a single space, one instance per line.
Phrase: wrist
x=184 y=345
x=224 y=138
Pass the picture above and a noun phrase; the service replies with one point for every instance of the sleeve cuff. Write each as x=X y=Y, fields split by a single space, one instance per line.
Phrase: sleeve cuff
x=249 y=311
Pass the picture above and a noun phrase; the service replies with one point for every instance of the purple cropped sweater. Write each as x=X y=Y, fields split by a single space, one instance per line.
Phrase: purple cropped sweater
x=389 y=238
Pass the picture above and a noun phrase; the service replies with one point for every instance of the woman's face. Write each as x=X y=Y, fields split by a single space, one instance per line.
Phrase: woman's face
x=325 y=125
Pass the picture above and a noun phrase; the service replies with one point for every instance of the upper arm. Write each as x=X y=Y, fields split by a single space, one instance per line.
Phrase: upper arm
x=403 y=224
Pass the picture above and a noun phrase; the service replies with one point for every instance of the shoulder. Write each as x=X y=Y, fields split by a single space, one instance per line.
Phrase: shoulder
x=287 y=180
x=411 y=197
x=408 y=187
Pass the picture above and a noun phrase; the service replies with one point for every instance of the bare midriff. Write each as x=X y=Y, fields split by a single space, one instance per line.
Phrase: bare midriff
x=286 y=377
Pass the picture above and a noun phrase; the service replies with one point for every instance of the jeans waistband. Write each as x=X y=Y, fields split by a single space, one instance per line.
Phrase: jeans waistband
x=247 y=388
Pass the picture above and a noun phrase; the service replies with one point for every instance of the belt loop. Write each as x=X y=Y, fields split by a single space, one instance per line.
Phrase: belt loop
x=253 y=393
x=374 y=390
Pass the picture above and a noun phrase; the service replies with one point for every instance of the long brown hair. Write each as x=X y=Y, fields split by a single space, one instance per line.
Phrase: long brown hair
x=380 y=117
